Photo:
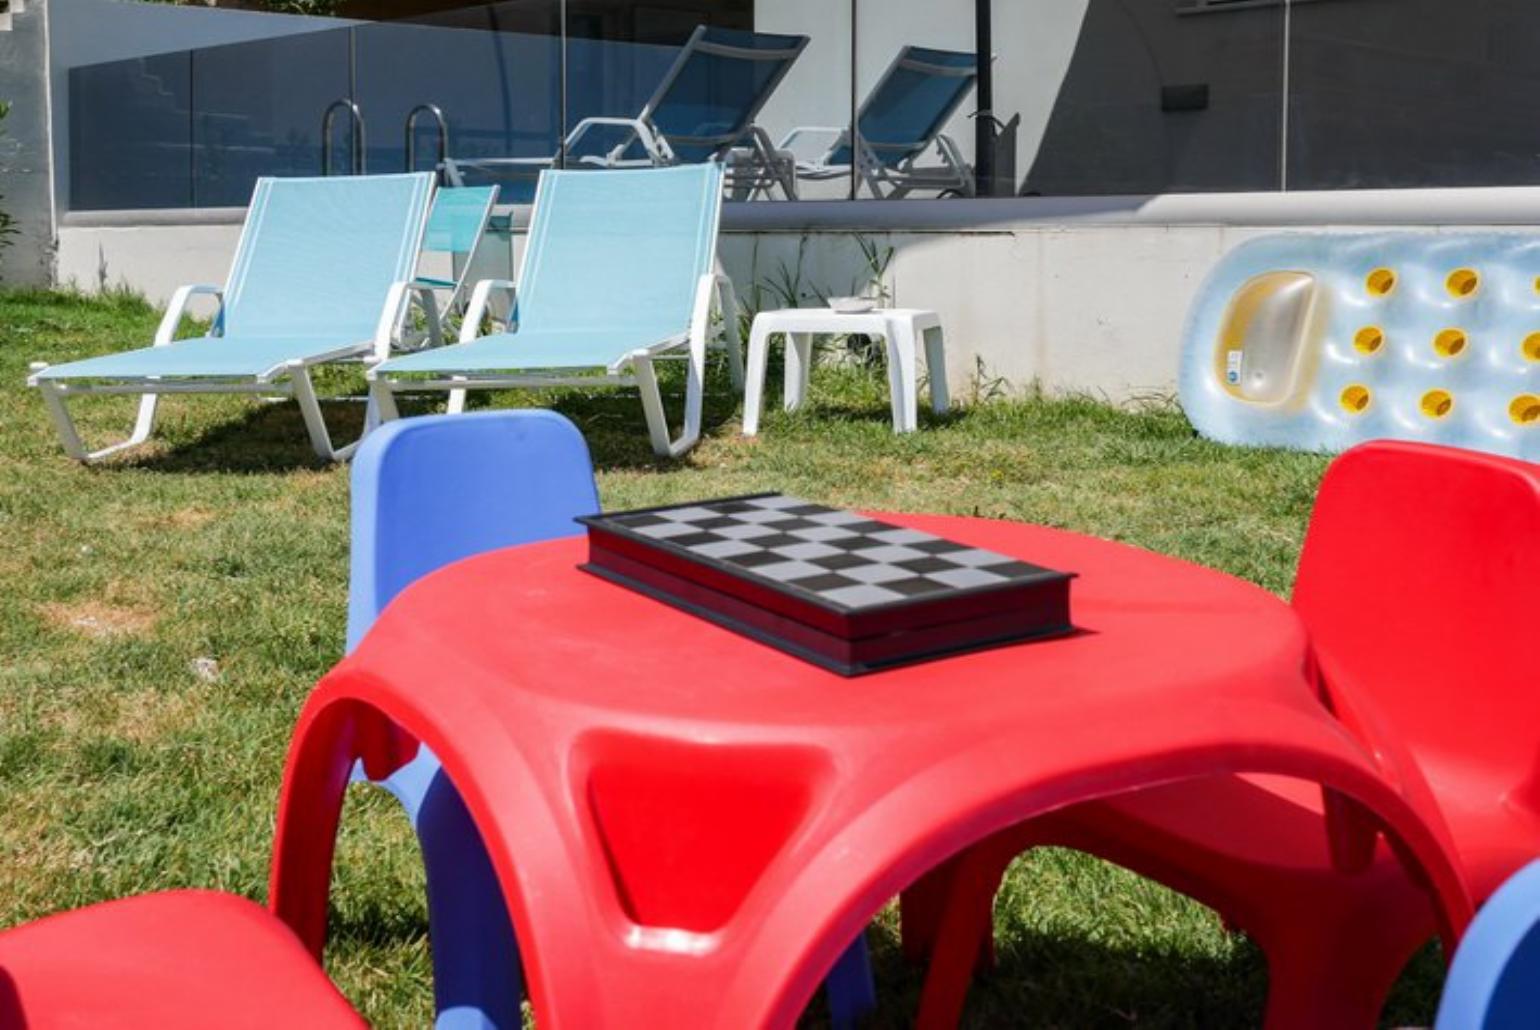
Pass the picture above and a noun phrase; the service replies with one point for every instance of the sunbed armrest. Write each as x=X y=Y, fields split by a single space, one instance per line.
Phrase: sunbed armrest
x=836 y=131
x=171 y=321
x=657 y=148
x=470 y=326
x=391 y=317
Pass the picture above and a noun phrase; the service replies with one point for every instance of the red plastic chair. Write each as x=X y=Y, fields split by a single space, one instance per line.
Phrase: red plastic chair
x=1415 y=583
x=179 y=959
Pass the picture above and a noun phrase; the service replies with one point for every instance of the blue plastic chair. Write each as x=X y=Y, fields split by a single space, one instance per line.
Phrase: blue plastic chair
x=427 y=492
x=901 y=118
x=456 y=228
x=1494 y=982
x=619 y=272
x=322 y=273
x=703 y=109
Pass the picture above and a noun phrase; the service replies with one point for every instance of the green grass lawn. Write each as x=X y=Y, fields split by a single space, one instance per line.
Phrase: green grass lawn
x=164 y=615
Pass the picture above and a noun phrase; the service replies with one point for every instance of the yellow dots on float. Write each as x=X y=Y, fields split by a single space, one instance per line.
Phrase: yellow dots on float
x=1450 y=343
x=1531 y=347
x=1463 y=283
x=1436 y=404
x=1525 y=409
x=1369 y=339
x=1355 y=399
x=1381 y=281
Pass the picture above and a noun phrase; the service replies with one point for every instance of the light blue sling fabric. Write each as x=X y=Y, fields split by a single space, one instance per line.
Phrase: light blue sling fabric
x=612 y=265
x=311 y=275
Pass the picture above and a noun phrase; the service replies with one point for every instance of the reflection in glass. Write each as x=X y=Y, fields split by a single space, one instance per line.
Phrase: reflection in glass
x=899 y=122
x=699 y=104
x=916 y=91
x=1142 y=96
x=817 y=92
x=129 y=134
x=258 y=109
x=497 y=85
x=1387 y=93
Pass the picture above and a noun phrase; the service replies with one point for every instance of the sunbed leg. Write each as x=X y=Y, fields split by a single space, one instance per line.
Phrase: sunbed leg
x=652 y=406
x=69 y=436
x=315 y=423
x=383 y=399
x=429 y=304
x=732 y=337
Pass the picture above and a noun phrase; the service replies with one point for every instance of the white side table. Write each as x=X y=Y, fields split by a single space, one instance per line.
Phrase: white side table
x=901 y=329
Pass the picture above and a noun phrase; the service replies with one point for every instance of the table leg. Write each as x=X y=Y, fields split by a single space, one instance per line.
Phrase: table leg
x=754 y=388
x=799 y=368
x=902 y=355
x=935 y=367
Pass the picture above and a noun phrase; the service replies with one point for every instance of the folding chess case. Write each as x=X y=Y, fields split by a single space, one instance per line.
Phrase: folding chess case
x=833 y=587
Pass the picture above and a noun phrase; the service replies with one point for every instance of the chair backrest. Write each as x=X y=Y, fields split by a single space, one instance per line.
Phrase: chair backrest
x=1494 y=981
x=318 y=256
x=455 y=230
x=1416 y=583
x=715 y=88
x=620 y=251
x=430 y=491
x=911 y=104
x=459 y=219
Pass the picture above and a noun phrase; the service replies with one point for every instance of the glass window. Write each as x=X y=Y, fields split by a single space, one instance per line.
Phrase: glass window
x=1148 y=96
x=694 y=80
x=917 y=86
x=258 y=109
x=493 y=72
x=807 y=118
x=1388 y=93
x=130 y=134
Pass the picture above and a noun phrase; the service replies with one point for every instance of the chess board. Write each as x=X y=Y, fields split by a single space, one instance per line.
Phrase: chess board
x=835 y=587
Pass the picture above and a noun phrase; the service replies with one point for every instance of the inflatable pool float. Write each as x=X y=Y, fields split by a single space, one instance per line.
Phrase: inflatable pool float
x=1318 y=342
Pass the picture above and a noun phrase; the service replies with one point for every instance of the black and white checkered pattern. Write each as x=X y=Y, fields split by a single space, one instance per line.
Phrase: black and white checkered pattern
x=836 y=557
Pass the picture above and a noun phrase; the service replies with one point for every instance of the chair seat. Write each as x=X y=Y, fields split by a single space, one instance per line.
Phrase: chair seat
x=206 y=357
x=177 y=959
x=528 y=350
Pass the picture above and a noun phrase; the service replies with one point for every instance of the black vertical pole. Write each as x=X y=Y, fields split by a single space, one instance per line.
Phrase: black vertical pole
x=984 y=120
x=855 y=137
x=561 y=147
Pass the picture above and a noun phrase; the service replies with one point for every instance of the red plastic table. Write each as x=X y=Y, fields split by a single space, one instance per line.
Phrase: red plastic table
x=689 y=826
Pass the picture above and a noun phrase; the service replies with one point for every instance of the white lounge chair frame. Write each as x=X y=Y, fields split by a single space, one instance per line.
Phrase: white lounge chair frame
x=715 y=302
x=426 y=291
x=288 y=378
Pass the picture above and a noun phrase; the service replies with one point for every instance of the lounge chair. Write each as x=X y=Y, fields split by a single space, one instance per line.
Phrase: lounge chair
x=900 y=120
x=618 y=273
x=455 y=231
x=428 y=492
x=703 y=110
x=323 y=273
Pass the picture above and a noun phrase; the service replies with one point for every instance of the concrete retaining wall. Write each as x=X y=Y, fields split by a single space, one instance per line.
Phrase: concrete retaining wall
x=26 y=171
